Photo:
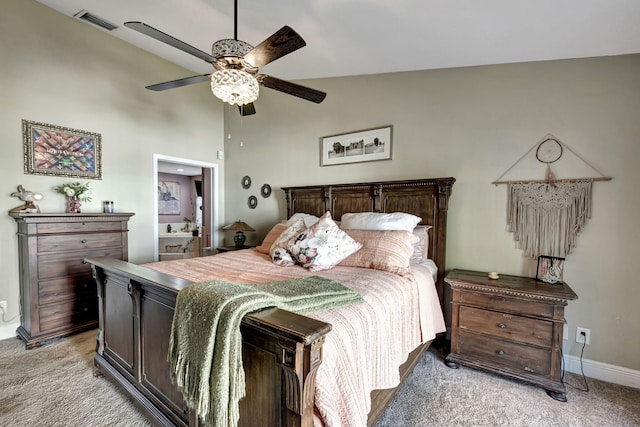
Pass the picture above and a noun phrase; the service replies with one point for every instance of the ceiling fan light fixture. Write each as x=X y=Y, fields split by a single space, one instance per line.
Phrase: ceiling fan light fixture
x=230 y=47
x=234 y=86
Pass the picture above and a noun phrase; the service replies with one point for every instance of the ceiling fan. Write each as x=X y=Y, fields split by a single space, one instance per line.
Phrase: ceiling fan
x=236 y=63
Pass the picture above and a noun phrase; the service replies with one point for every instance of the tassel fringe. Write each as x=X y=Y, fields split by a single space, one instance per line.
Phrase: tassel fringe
x=545 y=219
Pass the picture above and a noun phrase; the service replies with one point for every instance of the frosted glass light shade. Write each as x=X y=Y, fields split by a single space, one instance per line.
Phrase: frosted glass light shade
x=234 y=86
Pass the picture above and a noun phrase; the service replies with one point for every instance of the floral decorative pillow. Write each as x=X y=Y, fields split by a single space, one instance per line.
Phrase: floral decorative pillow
x=278 y=252
x=322 y=246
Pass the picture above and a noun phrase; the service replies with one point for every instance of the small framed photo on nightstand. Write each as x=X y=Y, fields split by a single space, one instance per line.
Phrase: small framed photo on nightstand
x=550 y=269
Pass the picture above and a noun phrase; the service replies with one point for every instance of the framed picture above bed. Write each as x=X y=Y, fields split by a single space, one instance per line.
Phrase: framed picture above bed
x=354 y=147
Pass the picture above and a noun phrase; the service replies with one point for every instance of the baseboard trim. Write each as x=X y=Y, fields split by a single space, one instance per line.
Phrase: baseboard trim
x=8 y=330
x=603 y=371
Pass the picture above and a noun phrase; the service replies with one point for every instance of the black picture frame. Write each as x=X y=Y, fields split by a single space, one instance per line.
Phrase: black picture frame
x=550 y=269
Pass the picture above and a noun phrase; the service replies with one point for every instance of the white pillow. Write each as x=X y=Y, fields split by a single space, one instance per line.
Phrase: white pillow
x=309 y=219
x=379 y=221
x=322 y=246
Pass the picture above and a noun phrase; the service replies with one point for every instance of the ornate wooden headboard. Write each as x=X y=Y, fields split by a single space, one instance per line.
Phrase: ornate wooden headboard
x=426 y=198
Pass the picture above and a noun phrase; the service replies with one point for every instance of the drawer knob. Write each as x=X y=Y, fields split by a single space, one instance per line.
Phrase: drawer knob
x=501 y=352
x=83 y=241
x=502 y=326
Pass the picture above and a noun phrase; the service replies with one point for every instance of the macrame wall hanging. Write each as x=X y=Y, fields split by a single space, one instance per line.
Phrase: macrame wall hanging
x=546 y=216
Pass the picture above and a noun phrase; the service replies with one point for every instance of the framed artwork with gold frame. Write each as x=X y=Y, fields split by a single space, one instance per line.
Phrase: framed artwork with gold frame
x=61 y=151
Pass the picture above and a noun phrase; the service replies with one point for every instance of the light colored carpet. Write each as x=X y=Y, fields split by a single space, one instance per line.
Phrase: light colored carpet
x=436 y=395
x=54 y=385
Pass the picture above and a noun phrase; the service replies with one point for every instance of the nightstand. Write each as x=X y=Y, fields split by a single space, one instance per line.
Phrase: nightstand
x=511 y=326
x=231 y=248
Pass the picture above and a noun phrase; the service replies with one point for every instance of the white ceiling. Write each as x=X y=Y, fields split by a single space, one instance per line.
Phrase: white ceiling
x=178 y=169
x=355 y=37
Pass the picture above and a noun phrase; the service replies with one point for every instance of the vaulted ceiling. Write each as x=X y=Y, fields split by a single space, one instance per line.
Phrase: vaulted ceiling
x=355 y=37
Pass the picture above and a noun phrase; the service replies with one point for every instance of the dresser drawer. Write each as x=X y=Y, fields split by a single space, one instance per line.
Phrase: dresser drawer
x=511 y=305
x=70 y=242
x=507 y=326
x=526 y=358
x=70 y=263
x=70 y=313
x=78 y=227
x=66 y=288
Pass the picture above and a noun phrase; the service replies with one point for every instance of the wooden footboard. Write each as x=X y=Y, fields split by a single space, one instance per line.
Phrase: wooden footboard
x=281 y=350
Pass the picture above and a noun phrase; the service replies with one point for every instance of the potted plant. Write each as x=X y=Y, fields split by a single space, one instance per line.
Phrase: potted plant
x=75 y=192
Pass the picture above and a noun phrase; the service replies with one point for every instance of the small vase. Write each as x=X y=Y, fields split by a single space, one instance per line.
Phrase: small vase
x=73 y=205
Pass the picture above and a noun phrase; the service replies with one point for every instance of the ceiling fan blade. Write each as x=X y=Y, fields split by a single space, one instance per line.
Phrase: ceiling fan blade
x=294 y=89
x=180 y=82
x=247 y=109
x=171 y=41
x=281 y=43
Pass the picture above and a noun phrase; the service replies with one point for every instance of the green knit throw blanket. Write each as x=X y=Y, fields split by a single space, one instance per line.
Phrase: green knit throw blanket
x=205 y=349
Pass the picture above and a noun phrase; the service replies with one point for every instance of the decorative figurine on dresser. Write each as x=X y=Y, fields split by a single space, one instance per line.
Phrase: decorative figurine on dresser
x=58 y=295
x=509 y=325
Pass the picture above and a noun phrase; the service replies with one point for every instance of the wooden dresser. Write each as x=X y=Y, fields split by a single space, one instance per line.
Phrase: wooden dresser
x=510 y=326
x=57 y=291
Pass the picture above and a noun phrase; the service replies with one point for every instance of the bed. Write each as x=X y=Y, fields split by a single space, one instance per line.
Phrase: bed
x=283 y=352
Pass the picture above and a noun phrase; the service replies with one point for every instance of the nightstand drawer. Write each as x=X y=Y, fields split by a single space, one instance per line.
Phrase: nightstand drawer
x=507 y=326
x=499 y=352
x=512 y=305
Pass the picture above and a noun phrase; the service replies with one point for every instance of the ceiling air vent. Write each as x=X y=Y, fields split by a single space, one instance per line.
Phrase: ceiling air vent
x=95 y=20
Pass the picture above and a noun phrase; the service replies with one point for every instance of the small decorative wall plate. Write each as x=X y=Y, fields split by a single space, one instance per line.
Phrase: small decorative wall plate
x=252 y=202
x=246 y=182
x=265 y=190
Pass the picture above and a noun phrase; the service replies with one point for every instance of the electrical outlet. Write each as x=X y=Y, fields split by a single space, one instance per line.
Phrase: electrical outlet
x=583 y=335
x=3 y=307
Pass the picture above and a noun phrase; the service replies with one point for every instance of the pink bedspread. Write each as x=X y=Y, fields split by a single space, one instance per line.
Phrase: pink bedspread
x=368 y=341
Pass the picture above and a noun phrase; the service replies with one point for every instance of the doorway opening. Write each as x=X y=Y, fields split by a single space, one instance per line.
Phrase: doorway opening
x=201 y=210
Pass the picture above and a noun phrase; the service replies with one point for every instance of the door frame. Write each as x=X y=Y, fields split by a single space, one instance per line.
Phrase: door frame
x=215 y=190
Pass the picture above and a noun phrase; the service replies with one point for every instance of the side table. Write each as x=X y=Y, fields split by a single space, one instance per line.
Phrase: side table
x=511 y=326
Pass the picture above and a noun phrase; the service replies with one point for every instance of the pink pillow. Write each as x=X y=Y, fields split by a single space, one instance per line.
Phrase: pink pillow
x=387 y=250
x=271 y=237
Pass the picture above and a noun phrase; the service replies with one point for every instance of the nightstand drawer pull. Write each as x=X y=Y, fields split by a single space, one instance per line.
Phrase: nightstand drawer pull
x=502 y=326
x=501 y=352
x=83 y=241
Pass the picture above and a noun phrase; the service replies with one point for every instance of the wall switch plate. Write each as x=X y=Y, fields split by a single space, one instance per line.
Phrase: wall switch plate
x=220 y=155
x=586 y=338
x=565 y=332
